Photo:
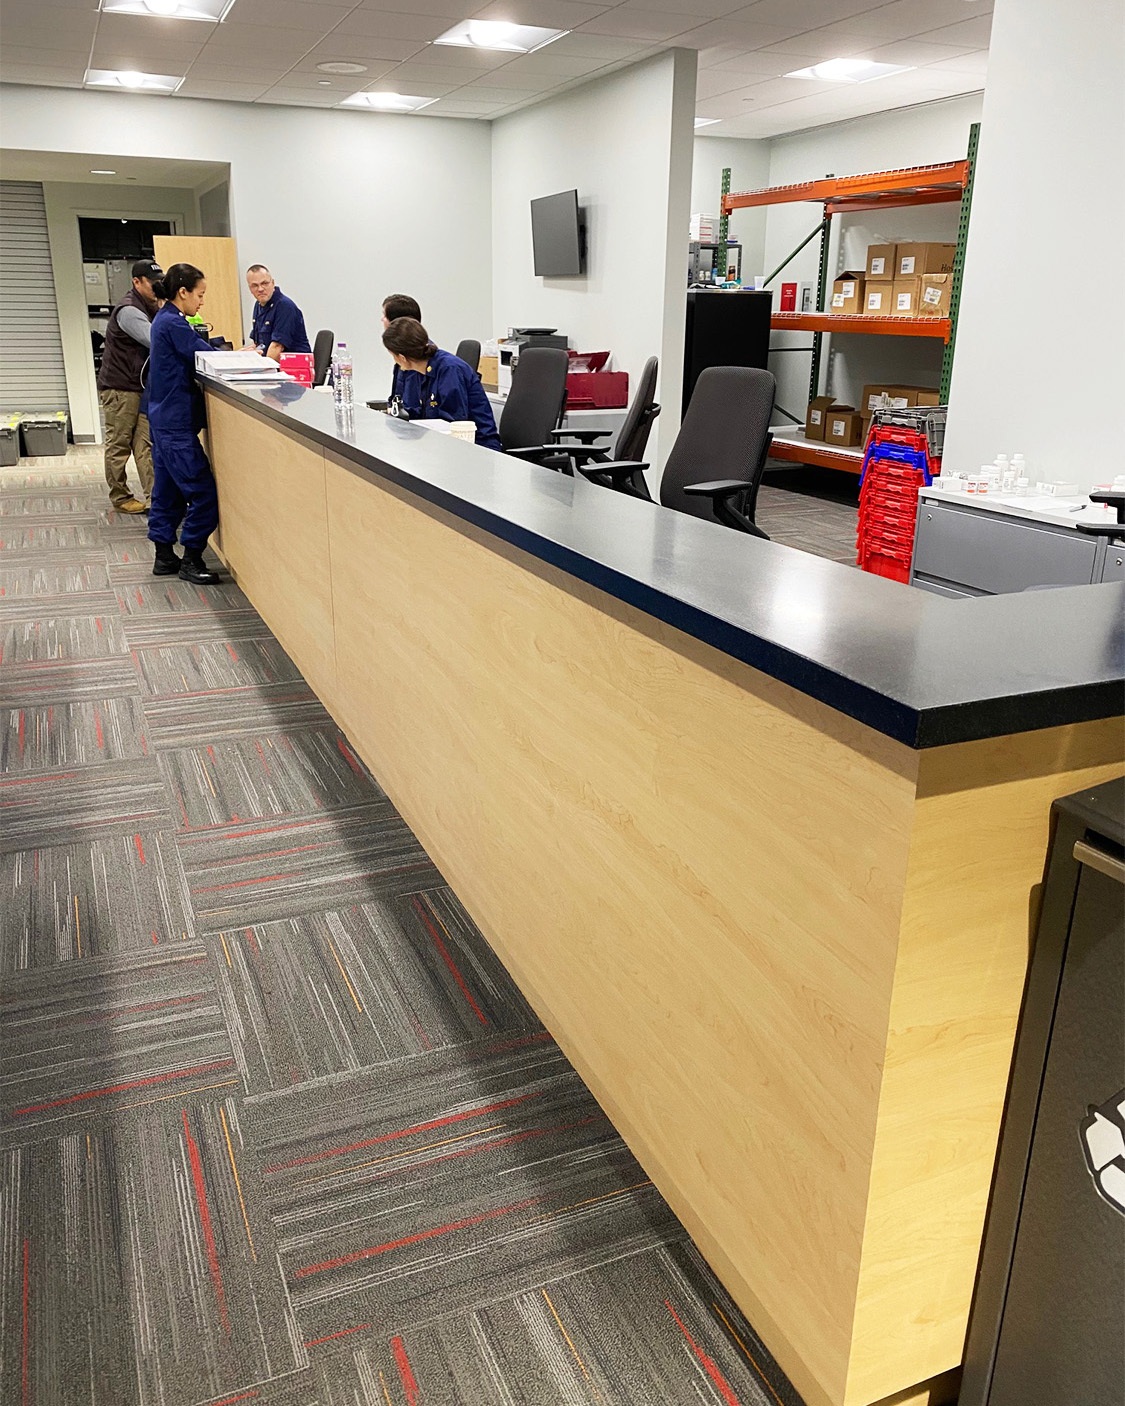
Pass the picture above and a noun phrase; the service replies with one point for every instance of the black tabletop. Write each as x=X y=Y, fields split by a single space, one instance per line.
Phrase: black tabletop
x=920 y=668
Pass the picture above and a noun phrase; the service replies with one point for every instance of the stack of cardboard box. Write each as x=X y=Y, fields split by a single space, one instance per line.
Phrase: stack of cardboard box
x=846 y=427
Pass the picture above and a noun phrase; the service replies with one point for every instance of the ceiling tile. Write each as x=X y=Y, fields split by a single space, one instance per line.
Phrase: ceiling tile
x=216 y=72
x=499 y=95
x=416 y=83
x=735 y=29
x=214 y=89
x=974 y=64
x=362 y=49
x=703 y=9
x=457 y=56
x=800 y=15
x=917 y=52
x=299 y=97
x=600 y=46
x=291 y=14
x=452 y=10
x=448 y=78
x=639 y=24
x=393 y=26
x=822 y=44
x=975 y=33
x=257 y=40
x=564 y=65
x=762 y=63
x=509 y=78
x=49 y=27
x=550 y=14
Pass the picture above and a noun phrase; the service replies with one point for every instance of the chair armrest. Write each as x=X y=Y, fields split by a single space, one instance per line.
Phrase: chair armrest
x=617 y=471
x=582 y=436
x=534 y=454
x=718 y=491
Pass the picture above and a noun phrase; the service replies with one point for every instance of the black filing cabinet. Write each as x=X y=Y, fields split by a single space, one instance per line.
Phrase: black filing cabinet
x=1048 y=1321
x=724 y=329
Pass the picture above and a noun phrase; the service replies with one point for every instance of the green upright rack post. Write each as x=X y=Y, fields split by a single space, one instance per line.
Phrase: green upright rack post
x=724 y=226
x=959 y=262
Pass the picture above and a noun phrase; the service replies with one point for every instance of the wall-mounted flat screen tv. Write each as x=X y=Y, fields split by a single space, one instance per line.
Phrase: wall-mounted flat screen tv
x=558 y=236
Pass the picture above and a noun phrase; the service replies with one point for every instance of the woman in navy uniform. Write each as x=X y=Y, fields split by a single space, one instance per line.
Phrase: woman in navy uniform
x=435 y=384
x=183 y=489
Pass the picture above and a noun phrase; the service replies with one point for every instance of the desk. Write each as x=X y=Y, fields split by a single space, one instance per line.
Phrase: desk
x=611 y=420
x=756 y=834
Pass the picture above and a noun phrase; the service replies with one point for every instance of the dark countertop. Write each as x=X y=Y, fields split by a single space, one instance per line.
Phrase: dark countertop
x=920 y=668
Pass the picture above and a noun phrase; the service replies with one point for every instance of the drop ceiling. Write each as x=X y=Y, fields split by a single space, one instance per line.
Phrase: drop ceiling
x=267 y=51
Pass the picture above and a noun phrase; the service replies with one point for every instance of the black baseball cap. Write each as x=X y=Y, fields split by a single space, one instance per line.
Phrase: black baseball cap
x=145 y=268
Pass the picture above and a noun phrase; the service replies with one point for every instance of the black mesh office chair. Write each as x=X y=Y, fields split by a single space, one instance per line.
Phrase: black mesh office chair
x=469 y=352
x=322 y=356
x=535 y=403
x=725 y=431
x=575 y=447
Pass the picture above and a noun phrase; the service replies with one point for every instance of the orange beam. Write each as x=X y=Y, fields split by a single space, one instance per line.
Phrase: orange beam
x=942 y=181
x=852 y=322
x=820 y=455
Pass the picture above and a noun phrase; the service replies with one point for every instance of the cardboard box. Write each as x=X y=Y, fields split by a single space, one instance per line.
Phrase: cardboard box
x=816 y=417
x=881 y=263
x=845 y=427
x=847 y=293
x=877 y=299
x=926 y=398
x=905 y=293
x=489 y=369
x=913 y=260
x=884 y=396
x=937 y=289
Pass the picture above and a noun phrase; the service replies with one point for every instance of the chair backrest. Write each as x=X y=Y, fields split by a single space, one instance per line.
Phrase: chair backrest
x=322 y=356
x=633 y=435
x=469 y=352
x=724 y=435
x=536 y=399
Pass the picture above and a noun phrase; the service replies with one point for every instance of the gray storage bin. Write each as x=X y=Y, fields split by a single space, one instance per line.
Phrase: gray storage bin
x=43 y=434
x=9 y=440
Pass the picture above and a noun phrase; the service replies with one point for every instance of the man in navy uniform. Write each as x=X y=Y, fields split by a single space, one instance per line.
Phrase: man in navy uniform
x=278 y=324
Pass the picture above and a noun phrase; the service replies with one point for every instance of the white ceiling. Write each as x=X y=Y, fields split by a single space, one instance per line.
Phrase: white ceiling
x=74 y=167
x=266 y=51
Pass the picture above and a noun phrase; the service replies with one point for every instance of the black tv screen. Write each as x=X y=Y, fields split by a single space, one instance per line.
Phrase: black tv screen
x=557 y=236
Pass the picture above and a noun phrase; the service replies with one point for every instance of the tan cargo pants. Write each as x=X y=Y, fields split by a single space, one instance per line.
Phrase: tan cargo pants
x=126 y=432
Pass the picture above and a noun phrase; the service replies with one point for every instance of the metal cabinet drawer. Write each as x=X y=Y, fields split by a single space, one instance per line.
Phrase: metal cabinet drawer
x=1113 y=569
x=987 y=553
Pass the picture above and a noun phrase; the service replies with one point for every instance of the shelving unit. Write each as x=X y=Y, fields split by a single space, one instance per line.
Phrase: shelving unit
x=941 y=183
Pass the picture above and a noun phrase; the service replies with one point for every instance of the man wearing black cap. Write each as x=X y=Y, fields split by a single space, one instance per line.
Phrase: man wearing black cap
x=127 y=339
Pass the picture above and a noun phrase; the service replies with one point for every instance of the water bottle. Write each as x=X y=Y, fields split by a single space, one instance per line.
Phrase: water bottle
x=342 y=375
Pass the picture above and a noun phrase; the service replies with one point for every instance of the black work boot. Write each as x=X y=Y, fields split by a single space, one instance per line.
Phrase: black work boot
x=167 y=563
x=193 y=568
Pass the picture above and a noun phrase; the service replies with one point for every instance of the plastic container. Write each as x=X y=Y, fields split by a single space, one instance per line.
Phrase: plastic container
x=299 y=365
x=343 y=392
x=43 y=435
x=464 y=429
x=9 y=440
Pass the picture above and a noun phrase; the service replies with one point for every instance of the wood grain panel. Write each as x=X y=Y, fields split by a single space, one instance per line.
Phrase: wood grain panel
x=969 y=915
x=218 y=258
x=274 y=527
x=692 y=871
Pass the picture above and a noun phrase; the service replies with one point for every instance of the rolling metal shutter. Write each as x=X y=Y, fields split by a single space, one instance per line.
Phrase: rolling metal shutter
x=32 y=375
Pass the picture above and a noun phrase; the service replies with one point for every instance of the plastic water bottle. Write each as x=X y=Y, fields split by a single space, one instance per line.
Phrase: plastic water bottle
x=342 y=375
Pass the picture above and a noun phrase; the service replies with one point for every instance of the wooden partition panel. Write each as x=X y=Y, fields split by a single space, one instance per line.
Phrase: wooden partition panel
x=218 y=258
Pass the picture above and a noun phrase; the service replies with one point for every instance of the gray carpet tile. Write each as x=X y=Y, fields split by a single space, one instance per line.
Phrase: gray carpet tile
x=345 y=990
x=108 y=894
x=276 y=1126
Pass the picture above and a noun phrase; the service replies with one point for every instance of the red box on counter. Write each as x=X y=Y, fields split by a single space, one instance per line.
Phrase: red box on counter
x=299 y=365
x=597 y=390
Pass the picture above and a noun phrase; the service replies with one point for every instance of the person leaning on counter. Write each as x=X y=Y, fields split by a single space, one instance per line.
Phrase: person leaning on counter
x=435 y=384
x=279 y=325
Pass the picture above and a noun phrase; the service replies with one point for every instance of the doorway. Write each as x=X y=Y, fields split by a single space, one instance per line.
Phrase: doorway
x=110 y=248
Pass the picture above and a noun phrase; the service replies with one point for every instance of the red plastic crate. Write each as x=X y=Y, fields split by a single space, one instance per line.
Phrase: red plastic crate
x=891 y=567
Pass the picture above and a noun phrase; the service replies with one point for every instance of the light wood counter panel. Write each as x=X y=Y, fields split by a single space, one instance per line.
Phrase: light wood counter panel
x=218 y=258
x=785 y=951
x=273 y=525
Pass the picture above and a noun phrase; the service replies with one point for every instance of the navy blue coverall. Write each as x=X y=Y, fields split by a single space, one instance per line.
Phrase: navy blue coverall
x=183 y=487
x=449 y=389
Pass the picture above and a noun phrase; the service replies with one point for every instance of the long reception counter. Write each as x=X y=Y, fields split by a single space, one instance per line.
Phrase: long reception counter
x=758 y=836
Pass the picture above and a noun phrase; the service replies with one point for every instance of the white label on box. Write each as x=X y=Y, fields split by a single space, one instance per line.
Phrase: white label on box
x=896 y=402
x=849 y=290
x=837 y=300
x=839 y=427
x=877 y=265
x=932 y=296
x=874 y=302
x=902 y=302
x=907 y=264
x=815 y=417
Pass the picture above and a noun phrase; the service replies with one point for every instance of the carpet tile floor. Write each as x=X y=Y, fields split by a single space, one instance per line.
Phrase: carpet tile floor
x=276 y=1126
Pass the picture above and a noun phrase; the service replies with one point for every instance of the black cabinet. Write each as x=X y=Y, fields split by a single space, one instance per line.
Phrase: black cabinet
x=1048 y=1320
x=724 y=329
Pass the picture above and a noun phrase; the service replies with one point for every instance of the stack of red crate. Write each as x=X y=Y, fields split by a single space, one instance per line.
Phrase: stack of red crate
x=899 y=458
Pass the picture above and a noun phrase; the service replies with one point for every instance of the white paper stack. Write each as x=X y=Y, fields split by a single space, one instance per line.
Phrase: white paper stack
x=246 y=367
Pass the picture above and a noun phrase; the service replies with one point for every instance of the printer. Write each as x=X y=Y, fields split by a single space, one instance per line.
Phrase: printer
x=518 y=340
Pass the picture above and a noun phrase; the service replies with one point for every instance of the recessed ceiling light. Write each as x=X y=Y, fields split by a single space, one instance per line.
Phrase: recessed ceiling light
x=387 y=102
x=102 y=173
x=131 y=80
x=324 y=82
x=338 y=66
x=848 y=71
x=707 y=121
x=209 y=11
x=498 y=34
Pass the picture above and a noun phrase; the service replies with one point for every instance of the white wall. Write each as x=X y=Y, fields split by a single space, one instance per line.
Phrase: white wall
x=749 y=163
x=65 y=203
x=1040 y=365
x=343 y=206
x=624 y=143
x=886 y=141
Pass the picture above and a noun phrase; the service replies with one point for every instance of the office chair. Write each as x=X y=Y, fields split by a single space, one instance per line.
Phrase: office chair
x=322 y=356
x=725 y=430
x=535 y=402
x=469 y=352
x=631 y=438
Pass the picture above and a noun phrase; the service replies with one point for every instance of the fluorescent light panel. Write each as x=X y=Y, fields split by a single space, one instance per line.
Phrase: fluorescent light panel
x=132 y=82
x=387 y=102
x=210 y=11
x=706 y=121
x=848 y=71
x=498 y=34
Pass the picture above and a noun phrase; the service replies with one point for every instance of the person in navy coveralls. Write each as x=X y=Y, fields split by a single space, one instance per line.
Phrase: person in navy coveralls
x=183 y=487
x=435 y=384
x=278 y=325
